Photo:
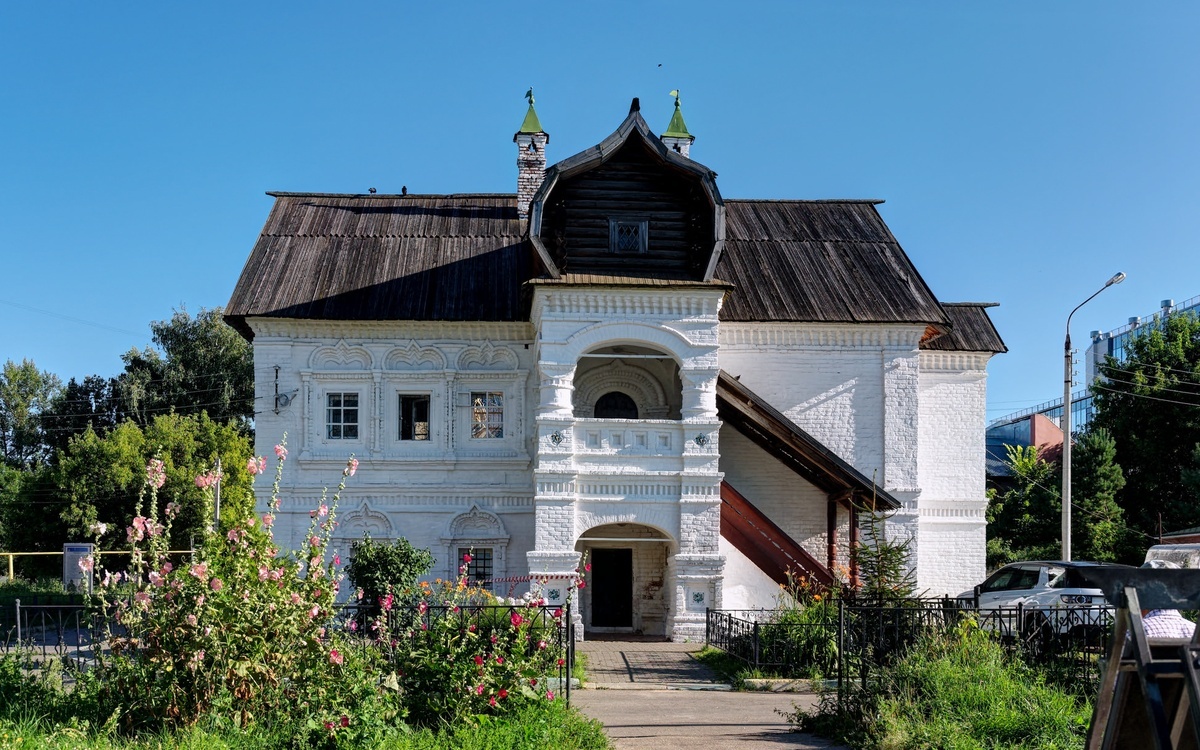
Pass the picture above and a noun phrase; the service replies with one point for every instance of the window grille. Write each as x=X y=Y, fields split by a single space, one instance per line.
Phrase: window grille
x=480 y=568
x=487 y=414
x=341 y=416
x=627 y=237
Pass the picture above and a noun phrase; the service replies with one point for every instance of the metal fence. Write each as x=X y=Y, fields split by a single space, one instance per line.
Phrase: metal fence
x=72 y=633
x=845 y=639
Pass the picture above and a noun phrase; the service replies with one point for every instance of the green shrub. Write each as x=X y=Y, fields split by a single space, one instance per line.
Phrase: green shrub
x=958 y=690
x=377 y=568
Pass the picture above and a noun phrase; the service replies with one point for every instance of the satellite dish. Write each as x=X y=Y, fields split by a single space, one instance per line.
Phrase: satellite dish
x=282 y=401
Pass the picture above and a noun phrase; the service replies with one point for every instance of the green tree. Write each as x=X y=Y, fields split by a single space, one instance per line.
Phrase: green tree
x=1150 y=405
x=1097 y=526
x=378 y=568
x=90 y=402
x=200 y=365
x=25 y=392
x=1025 y=521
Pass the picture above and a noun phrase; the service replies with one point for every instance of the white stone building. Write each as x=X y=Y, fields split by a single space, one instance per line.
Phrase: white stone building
x=697 y=393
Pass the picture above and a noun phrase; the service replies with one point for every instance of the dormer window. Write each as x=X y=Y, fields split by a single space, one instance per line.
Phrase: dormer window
x=627 y=236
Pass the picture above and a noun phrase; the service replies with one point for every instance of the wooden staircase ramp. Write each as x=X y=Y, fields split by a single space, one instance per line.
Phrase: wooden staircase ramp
x=764 y=543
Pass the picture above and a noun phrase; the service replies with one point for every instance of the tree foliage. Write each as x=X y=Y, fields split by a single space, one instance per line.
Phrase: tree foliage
x=1150 y=404
x=1097 y=521
x=25 y=392
x=1027 y=517
x=379 y=568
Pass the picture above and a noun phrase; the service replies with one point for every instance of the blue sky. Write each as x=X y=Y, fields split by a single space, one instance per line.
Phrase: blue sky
x=1027 y=151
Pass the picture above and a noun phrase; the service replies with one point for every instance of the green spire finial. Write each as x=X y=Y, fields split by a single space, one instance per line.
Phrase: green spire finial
x=677 y=128
x=531 y=123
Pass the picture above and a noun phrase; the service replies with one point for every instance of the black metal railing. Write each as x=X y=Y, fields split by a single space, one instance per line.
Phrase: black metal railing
x=845 y=639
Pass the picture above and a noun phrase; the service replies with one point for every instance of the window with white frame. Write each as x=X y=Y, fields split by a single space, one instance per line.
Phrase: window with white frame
x=341 y=416
x=487 y=414
x=414 y=417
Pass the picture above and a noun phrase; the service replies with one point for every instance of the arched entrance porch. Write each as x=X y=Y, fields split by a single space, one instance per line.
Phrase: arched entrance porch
x=627 y=587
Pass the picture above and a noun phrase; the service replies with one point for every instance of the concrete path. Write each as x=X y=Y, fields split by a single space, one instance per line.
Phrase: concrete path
x=655 y=696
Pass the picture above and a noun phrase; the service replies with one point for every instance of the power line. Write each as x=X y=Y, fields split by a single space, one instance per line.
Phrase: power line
x=1150 y=398
x=81 y=321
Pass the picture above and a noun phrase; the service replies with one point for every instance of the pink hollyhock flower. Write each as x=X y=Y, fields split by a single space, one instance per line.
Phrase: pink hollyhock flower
x=215 y=584
x=351 y=467
x=295 y=598
x=191 y=620
x=541 y=645
x=329 y=726
x=479 y=690
x=503 y=693
x=494 y=639
x=200 y=600
x=277 y=574
x=467 y=557
x=478 y=660
x=549 y=695
x=335 y=657
x=256 y=465
x=268 y=519
x=173 y=509
x=358 y=593
x=263 y=573
x=581 y=584
x=588 y=567
x=156 y=473
x=561 y=662
x=533 y=682
x=499 y=659
x=322 y=510
x=422 y=607
x=516 y=619
x=87 y=564
x=200 y=570
x=345 y=721
x=337 y=559
x=312 y=613
x=471 y=628
x=353 y=626
x=280 y=452
x=386 y=602
x=141 y=597
x=314 y=541
x=558 y=613
x=155 y=579
x=167 y=567
x=492 y=701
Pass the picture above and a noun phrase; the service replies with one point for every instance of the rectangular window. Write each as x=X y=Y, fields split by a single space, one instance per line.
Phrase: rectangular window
x=627 y=237
x=487 y=414
x=341 y=416
x=414 y=417
x=480 y=568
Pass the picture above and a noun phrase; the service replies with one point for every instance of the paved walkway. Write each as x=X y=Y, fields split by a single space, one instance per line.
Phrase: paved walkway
x=655 y=696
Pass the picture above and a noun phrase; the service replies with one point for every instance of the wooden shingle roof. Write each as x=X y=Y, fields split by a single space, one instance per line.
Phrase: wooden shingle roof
x=466 y=257
x=819 y=261
x=971 y=330
x=385 y=257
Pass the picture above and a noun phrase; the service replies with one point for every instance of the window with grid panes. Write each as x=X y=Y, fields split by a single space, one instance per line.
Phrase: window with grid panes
x=480 y=568
x=627 y=237
x=487 y=414
x=341 y=416
x=414 y=417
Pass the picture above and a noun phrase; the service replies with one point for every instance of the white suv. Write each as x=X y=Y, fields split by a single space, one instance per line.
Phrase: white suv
x=1049 y=598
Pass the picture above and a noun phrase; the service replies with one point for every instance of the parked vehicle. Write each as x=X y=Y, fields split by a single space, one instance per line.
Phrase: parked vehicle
x=1043 y=599
x=1183 y=555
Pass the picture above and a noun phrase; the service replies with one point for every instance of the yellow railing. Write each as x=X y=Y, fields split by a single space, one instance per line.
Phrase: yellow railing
x=13 y=555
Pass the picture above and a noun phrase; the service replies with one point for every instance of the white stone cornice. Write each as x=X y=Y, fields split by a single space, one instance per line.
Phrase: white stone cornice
x=627 y=302
x=792 y=335
x=935 y=361
x=290 y=329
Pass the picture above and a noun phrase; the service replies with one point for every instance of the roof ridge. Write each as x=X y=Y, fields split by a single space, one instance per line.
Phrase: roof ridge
x=872 y=201
x=288 y=194
x=969 y=304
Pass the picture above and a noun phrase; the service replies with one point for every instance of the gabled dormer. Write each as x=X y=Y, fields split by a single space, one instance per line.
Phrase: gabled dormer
x=629 y=207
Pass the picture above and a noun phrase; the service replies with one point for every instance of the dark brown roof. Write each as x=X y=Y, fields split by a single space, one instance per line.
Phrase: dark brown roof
x=386 y=257
x=819 y=261
x=464 y=257
x=752 y=416
x=971 y=330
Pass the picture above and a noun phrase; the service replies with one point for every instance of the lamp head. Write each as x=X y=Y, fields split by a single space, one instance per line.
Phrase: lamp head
x=1116 y=279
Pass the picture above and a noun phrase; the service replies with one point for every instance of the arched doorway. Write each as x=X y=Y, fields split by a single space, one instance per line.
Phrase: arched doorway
x=626 y=589
x=616 y=405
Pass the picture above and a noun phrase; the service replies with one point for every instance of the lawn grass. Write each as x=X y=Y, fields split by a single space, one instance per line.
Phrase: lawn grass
x=552 y=725
x=728 y=668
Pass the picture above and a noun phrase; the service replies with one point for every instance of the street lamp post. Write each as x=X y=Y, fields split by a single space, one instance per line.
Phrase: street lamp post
x=1066 y=422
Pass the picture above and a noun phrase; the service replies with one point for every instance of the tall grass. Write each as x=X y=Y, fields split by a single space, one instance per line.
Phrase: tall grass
x=956 y=691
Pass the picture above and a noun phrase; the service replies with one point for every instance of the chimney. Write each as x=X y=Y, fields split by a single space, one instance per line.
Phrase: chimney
x=531 y=143
x=677 y=138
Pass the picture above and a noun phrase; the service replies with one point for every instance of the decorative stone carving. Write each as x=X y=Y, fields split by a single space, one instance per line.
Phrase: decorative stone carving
x=487 y=357
x=635 y=382
x=477 y=528
x=364 y=520
x=414 y=357
x=340 y=356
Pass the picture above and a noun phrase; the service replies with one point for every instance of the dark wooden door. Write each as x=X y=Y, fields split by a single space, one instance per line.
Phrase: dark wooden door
x=612 y=588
